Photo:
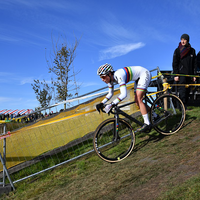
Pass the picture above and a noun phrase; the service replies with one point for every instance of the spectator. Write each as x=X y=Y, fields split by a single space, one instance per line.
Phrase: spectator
x=198 y=62
x=184 y=62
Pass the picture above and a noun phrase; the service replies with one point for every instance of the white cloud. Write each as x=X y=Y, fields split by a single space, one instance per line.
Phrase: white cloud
x=7 y=77
x=5 y=99
x=89 y=84
x=115 y=30
x=26 y=80
x=119 y=50
x=7 y=38
x=5 y=74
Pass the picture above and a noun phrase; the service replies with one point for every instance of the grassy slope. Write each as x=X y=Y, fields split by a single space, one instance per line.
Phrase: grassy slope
x=158 y=168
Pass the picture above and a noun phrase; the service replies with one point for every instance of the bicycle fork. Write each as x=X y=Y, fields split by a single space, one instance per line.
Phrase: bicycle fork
x=116 y=136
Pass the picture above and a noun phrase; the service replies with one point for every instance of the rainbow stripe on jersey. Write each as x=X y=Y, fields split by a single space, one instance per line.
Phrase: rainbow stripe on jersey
x=129 y=74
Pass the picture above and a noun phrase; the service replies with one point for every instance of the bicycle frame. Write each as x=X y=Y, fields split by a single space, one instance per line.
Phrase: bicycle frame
x=118 y=111
x=148 y=99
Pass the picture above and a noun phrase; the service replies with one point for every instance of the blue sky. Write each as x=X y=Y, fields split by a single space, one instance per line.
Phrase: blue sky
x=119 y=32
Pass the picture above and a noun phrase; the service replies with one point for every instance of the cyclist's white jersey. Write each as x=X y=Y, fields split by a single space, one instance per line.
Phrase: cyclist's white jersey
x=140 y=75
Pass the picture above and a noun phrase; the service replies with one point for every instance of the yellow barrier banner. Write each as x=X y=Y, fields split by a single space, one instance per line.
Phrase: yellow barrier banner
x=51 y=133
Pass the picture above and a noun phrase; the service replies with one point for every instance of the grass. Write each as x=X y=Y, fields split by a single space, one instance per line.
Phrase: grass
x=160 y=167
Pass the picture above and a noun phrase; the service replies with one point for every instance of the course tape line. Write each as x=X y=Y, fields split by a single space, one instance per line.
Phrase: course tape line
x=180 y=75
x=68 y=117
x=5 y=136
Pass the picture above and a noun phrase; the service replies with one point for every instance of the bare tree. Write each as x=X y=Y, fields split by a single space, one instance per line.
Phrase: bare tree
x=61 y=66
x=63 y=83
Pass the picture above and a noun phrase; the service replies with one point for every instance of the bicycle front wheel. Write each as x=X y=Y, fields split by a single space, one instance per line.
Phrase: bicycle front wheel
x=171 y=114
x=114 y=142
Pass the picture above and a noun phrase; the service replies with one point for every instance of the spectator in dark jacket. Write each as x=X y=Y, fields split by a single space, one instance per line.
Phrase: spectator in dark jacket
x=198 y=62
x=184 y=62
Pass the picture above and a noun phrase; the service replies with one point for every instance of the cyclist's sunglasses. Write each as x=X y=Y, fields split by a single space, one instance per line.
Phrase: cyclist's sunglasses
x=103 y=76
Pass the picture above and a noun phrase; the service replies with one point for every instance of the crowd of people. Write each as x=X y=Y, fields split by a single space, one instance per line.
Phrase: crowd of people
x=25 y=118
x=8 y=116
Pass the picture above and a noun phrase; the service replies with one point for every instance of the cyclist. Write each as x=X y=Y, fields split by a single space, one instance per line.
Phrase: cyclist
x=142 y=78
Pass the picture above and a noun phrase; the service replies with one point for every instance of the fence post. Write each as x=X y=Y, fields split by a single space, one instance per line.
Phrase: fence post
x=3 y=161
x=6 y=171
x=4 y=153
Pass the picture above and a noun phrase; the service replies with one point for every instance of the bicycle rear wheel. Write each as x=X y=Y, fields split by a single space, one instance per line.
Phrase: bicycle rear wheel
x=109 y=147
x=171 y=114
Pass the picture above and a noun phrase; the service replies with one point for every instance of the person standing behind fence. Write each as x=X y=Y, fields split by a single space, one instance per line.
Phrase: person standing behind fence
x=184 y=62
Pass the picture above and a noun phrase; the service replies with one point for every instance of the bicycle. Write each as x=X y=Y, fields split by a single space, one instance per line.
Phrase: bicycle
x=114 y=138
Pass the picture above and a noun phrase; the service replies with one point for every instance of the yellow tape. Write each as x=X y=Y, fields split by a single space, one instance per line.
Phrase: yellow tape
x=68 y=117
x=156 y=76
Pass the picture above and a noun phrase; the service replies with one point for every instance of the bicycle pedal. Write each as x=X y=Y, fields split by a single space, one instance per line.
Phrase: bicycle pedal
x=114 y=139
x=156 y=119
x=148 y=131
x=145 y=129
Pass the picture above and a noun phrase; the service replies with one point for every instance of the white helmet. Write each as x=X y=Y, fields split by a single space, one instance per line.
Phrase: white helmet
x=104 y=69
